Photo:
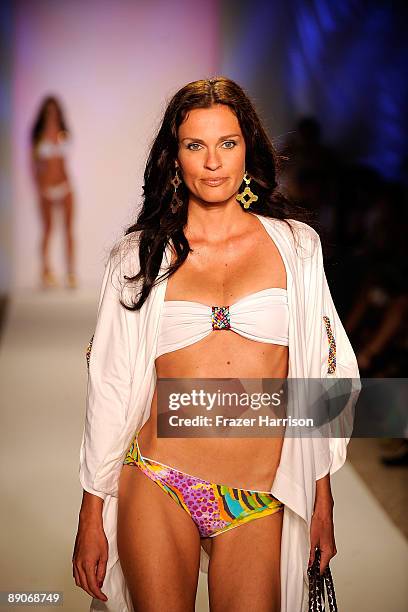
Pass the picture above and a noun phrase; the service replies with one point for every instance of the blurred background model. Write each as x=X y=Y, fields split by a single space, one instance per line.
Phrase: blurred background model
x=50 y=144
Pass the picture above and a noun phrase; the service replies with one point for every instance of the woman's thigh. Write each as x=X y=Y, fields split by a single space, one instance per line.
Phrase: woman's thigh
x=244 y=568
x=46 y=207
x=68 y=207
x=158 y=546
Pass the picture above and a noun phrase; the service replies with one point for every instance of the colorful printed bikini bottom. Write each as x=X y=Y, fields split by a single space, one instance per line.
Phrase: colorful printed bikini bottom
x=214 y=508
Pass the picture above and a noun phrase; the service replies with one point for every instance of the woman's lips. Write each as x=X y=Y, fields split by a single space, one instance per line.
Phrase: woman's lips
x=214 y=182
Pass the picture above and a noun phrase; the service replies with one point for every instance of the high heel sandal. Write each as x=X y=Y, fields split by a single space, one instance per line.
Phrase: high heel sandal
x=72 y=282
x=48 y=280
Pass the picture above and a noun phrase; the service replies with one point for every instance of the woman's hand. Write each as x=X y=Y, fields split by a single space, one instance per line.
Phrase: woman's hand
x=322 y=533
x=90 y=557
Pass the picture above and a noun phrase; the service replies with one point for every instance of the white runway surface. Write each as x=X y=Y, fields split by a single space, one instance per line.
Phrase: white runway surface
x=43 y=384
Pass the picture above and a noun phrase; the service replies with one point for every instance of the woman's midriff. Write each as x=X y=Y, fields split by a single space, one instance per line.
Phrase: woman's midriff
x=54 y=172
x=248 y=463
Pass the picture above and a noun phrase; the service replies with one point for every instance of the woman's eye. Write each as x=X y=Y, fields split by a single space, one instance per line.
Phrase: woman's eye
x=194 y=146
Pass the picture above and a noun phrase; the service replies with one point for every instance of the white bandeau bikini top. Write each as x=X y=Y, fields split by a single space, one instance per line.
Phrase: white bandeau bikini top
x=262 y=316
x=47 y=149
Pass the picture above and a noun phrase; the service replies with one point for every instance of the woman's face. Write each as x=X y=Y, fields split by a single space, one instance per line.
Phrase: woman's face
x=211 y=153
x=51 y=113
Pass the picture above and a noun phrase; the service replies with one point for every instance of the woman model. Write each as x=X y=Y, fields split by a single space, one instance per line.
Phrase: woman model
x=229 y=285
x=49 y=141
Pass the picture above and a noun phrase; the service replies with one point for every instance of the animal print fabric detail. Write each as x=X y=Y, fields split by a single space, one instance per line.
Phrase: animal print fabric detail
x=88 y=351
x=331 y=365
x=214 y=508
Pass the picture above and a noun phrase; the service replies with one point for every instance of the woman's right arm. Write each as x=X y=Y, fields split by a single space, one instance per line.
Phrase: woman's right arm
x=91 y=508
x=110 y=373
x=108 y=394
x=38 y=167
x=91 y=547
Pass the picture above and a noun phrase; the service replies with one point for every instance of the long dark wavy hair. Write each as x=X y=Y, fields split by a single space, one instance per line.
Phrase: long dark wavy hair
x=156 y=223
x=40 y=119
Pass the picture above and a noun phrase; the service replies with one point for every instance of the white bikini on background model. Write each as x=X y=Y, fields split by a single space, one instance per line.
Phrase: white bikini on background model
x=46 y=149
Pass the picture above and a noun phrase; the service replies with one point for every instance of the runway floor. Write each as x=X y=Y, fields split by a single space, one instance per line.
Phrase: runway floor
x=43 y=385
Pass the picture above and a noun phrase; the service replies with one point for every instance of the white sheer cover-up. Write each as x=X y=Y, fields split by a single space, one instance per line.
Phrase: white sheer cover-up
x=122 y=379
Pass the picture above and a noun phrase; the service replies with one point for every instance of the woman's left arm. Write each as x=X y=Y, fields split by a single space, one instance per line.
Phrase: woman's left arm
x=322 y=527
x=329 y=349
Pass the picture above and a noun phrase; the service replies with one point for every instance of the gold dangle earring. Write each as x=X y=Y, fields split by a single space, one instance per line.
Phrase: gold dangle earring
x=241 y=197
x=176 y=202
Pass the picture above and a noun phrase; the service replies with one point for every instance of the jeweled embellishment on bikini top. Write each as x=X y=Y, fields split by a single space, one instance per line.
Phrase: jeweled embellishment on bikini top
x=220 y=317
